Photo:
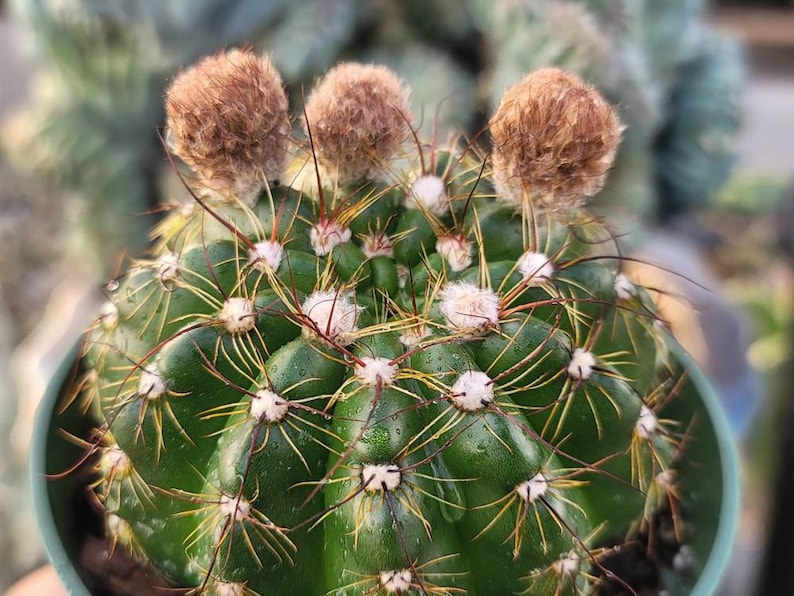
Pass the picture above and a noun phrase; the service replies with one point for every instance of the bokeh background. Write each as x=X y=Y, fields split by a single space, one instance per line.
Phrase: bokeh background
x=81 y=174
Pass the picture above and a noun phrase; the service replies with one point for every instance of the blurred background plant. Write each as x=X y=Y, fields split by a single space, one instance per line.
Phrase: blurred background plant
x=89 y=175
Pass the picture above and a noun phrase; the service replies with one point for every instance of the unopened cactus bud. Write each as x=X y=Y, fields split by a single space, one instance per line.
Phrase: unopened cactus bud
x=359 y=118
x=554 y=140
x=227 y=119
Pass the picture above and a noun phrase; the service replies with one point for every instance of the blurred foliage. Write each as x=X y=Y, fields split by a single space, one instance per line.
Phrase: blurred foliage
x=752 y=193
x=757 y=275
x=747 y=222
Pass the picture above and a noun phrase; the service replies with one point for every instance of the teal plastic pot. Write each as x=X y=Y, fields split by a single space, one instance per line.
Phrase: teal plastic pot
x=709 y=482
x=54 y=494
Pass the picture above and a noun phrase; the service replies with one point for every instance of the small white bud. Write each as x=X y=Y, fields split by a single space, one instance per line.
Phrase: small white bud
x=403 y=274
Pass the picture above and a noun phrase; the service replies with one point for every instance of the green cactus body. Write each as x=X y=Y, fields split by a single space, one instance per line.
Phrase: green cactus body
x=407 y=384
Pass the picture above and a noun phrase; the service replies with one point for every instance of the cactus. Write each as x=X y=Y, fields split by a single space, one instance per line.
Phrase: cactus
x=363 y=363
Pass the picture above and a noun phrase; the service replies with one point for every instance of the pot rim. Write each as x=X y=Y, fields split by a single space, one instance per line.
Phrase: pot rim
x=713 y=570
x=54 y=547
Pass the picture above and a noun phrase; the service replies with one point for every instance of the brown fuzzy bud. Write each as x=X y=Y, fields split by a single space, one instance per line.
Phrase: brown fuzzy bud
x=358 y=117
x=554 y=139
x=227 y=119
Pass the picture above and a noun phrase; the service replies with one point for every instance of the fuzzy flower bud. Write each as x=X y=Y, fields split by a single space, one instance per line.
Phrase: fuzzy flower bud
x=554 y=139
x=358 y=116
x=227 y=119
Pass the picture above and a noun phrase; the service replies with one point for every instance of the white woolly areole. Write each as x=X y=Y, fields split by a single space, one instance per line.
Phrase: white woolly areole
x=377 y=477
x=115 y=462
x=228 y=588
x=582 y=364
x=268 y=405
x=536 y=268
x=151 y=385
x=372 y=369
x=187 y=208
x=473 y=390
x=414 y=334
x=377 y=245
x=684 y=559
x=468 y=308
x=234 y=506
x=327 y=234
x=428 y=193
x=237 y=315
x=647 y=423
x=624 y=289
x=333 y=313
x=168 y=267
x=403 y=273
x=396 y=582
x=568 y=565
x=266 y=255
x=534 y=488
x=118 y=528
x=456 y=251
x=109 y=316
x=665 y=479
